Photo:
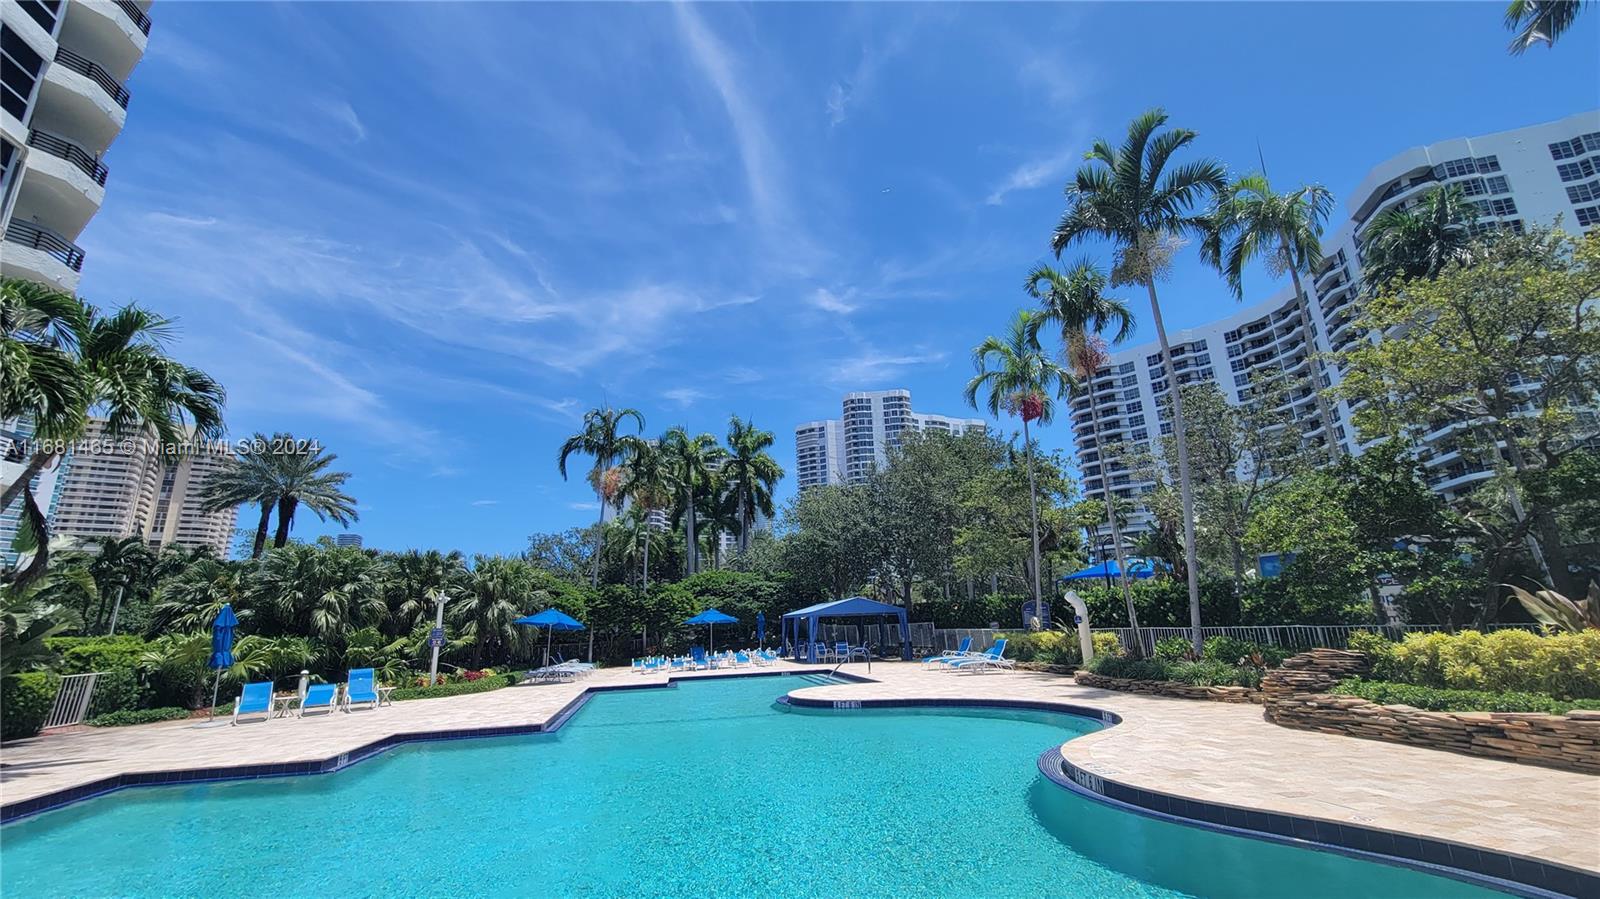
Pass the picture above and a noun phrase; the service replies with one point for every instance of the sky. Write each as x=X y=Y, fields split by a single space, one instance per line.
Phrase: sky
x=431 y=235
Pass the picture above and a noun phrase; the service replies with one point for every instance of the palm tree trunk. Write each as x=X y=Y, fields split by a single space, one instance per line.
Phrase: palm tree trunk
x=261 y=530
x=647 y=553
x=36 y=464
x=1185 y=489
x=599 y=544
x=1033 y=509
x=692 y=550
x=1111 y=514
x=286 y=507
x=1303 y=304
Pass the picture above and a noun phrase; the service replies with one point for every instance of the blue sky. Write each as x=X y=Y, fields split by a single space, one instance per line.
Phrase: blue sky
x=431 y=235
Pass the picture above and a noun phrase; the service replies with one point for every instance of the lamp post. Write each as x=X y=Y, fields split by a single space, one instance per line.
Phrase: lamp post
x=436 y=638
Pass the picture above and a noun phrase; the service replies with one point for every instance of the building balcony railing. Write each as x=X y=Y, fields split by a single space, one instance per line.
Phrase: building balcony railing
x=46 y=241
x=46 y=142
x=91 y=70
x=134 y=14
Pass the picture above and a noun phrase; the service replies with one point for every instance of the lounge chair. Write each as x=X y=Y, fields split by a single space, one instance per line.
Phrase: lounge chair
x=319 y=698
x=860 y=652
x=949 y=655
x=741 y=658
x=841 y=651
x=987 y=661
x=360 y=689
x=254 y=699
x=699 y=657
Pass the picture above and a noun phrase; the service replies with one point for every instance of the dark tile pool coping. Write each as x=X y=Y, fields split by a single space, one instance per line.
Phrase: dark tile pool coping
x=1504 y=871
x=27 y=808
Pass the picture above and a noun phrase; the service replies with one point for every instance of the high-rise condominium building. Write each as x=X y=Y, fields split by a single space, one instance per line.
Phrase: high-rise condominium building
x=347 y=539
x=116 y=487
x=1528 y=176
x=848 y=449
x=62 y=103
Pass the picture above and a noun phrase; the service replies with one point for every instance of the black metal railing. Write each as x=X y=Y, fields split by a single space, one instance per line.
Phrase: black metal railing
x=135 y=13
x=91 y=70
x=46 y=241
x=71 y=152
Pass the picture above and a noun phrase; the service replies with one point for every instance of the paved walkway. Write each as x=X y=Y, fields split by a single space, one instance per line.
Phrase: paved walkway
x=1201 y=750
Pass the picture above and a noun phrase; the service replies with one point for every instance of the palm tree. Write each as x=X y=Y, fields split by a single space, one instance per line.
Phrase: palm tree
x=325 y=593
x=496 y=592
x=1126 y=195
x=191 y=600
x=647 y=479
x=750 y=475
x=694 y=462
x=1251 y=220
x=411 y=579
x=42 y=383
x=247 y=478
x=1016 y=373
x=119 y=565
x=1540 y=20
x=303 y=479
x=1075 y=300
x=601 y=439
x=1402 y=244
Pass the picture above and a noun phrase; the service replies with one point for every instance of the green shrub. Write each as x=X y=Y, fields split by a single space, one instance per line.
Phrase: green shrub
x=25 y=701
x=1129 y=668
x=117 y=690
x=1565 y=666
x=1047 y=647
x=460 y=688
x=137 y=716
x=1434 y=699
x=1106 y=644
x=1215 y=674
x=81 y=655
x=1173 y=649
x=1235 y=651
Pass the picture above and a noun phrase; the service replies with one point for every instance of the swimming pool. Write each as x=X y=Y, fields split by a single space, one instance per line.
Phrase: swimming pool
x=707 y=789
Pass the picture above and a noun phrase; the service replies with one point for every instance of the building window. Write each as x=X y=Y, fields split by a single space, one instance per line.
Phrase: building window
x=1135 y=420
x=1137 y=406
x=1574 y=171
x=1583 y=193
x=1588 y=215
x=1131 y=394
x=1498 y=184
x=1487 y=164
x=1566 y=149
x=19 y=70
x=1124 y=368
x=1166 y=429
x=1141 y=434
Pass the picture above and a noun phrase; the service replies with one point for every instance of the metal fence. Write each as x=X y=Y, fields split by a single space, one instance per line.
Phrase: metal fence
x=1289 y=636
x=72 y=700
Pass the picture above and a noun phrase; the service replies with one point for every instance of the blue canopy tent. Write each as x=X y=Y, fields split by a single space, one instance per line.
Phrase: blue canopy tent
x=551 y=620
x=854 y=607
x=713 y=618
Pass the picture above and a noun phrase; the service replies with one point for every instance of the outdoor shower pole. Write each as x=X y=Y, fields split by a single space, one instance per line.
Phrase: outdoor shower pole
x=438 y=625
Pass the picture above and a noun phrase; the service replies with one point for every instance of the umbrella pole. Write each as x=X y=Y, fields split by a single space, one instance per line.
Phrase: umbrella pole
x=547 y=634
x=216 y=683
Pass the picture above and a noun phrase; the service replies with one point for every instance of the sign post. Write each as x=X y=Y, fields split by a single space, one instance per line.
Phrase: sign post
x=436 y=637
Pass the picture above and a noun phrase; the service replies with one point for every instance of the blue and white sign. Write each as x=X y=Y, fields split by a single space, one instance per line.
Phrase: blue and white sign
x=436 y=637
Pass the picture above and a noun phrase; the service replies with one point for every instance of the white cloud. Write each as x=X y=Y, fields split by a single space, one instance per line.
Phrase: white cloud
x=344 y=116
x=828 y=301
x=1034 y=173
x=684 y=396
x=741 y=374
x=584 y=507
x=485 y=502
x=867 y=369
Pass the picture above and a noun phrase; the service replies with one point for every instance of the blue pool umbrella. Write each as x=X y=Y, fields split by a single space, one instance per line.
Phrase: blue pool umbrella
x=713 y=618
x=221 y=648
x=761 y=629
x=551 y=620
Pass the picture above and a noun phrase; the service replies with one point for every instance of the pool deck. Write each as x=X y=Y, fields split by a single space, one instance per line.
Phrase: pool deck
x=1206 y=751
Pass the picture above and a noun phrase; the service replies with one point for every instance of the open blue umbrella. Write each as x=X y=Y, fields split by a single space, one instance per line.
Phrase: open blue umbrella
x=761 y=629
x=713 y=618
x=551 y=620
x=221 y=649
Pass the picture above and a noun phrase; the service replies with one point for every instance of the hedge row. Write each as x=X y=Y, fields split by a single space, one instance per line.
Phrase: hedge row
x=25 y=701
x=1433 y=699
x=460 y=688
x=1204 y=673
x=1565 y=666
x=126 y=717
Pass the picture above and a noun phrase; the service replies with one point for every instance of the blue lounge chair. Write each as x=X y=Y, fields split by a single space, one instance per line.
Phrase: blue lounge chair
x=699 y=656
x=741 y=658
x=254 y=699
x=359 y=689
x=986 y=661
x=944 y=658
x=319 y=698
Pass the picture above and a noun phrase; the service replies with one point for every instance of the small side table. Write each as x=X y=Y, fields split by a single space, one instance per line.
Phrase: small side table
x=284 y=703
x=383 y=696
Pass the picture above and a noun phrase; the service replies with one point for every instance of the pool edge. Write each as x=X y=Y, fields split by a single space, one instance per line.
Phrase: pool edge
x=1504 y=871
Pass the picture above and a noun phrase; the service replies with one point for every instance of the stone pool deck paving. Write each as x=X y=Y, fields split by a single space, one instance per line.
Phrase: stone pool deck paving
x=1208 y=751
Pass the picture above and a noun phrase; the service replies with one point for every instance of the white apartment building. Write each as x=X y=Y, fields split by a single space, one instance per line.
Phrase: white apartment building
x=347 y=539
x=847 y=450
x=62 y=103
x=1529 y=175
x=118 y=488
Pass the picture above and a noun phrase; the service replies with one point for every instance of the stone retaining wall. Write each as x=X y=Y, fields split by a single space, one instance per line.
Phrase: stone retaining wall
x=1169 y=688
x=1296 y=696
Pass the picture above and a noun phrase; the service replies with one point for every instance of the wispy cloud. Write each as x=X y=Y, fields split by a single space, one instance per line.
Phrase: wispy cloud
x=828 y=301
x=872 y=367
x=343 y=115
x=1034 y=173
x=485 y=502
x=584 y=507
x=684 y=396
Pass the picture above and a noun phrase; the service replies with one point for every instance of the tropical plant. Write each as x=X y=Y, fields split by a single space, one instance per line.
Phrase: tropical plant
x=1540 y=21
x=321 y=592
x=694 y=462
x=749 y=475
x=1075 y=300
x=1252 y=221
x=1017 y=374
x=26 y=623
x=1556 y=612
x=118 y=567
x=1128 y=196
x=1404 y=243
x=412 y=579
x=497 y=591
x=191 y=600
x=248 y=478
x=647 y=479
x=40 y=379
x=303 y=479
x=601 y=439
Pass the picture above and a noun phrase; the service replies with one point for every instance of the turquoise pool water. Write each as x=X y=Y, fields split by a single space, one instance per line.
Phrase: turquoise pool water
x=707 y=789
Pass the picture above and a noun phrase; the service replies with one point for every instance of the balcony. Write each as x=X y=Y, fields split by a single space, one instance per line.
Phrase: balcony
x=39 y=254
x=135 y=15
x=62 y=148
x=91 y=70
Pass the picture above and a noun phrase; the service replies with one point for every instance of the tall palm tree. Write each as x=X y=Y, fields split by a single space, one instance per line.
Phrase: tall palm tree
x=1253 y=221
x=1419 y=241
x=303 y=479
x=496 y=592
x=247 y=478
x=1075 y=300
x=1536 y=21
x=411 y=579
x=694 y=462
x=122 y=371
x=191 y=600
x=118 y=566
x=750 y=475
x=602 y=440
x=1128 y=196
x=1015 y=373
x=647 y=479
x=325 y=593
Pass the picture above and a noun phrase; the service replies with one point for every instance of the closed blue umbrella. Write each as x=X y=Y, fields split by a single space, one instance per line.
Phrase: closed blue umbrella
x=713 y=618
x=551 y=620
x=221 y=649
